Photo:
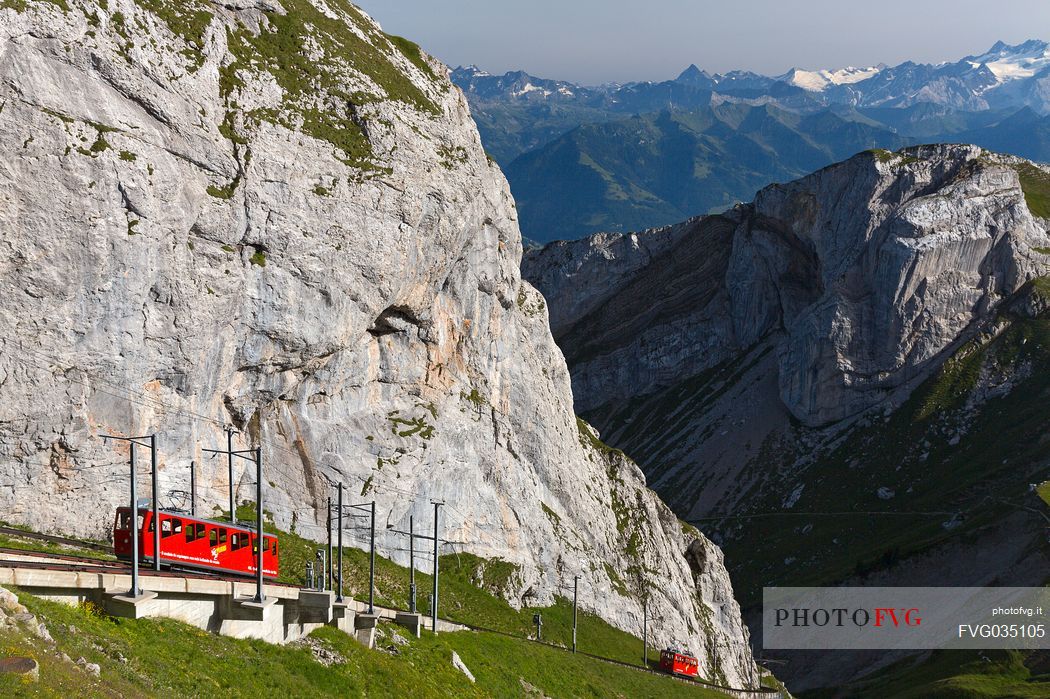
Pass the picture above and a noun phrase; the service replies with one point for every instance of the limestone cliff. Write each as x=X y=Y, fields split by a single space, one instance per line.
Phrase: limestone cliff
x=866 y=272
x=270 y=214
x=842 y=382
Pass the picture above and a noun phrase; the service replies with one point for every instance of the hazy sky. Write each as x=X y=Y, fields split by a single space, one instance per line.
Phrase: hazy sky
x=593 y=41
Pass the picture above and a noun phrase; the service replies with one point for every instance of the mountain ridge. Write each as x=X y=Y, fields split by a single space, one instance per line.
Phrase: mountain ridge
x=587 y=159
x=1003 y=62
x=865 y=339
x=658 y=168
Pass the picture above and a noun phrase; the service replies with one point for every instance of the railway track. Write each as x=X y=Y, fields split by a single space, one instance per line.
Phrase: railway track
x=762 y=693
x=60 y=566
x=84 y=564
x=58 y=558
x=759 y=693
x=63 y=541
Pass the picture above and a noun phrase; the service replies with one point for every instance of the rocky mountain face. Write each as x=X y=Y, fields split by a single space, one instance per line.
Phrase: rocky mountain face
x=841 y=381
x=869 y=270
x=270 y=214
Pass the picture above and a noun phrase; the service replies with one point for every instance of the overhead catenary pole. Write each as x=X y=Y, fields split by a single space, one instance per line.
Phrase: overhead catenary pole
x=339 y=529
x=260 y=538
x=411 y=566
x=434 y=593
x=156 y=508
x=645 y=633
x=372 y=564
x=193 y=489
x=229 y=456
x=328 y=566
x=575 y=591
x=260 y=595
x=133 y=528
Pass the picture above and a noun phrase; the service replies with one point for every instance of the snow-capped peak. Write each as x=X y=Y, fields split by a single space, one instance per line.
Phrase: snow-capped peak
x=529 y=87
x=819 y=80
x=474 y=70
x=1014 y=62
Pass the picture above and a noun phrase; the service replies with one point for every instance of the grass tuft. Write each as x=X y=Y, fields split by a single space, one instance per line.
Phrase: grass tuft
x=312 y=56
x=1035 y=183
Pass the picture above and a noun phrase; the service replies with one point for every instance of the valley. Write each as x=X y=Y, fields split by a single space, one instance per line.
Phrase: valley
x=840 y=382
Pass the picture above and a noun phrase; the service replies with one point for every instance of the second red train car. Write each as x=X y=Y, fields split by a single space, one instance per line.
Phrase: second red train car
x=676 y=663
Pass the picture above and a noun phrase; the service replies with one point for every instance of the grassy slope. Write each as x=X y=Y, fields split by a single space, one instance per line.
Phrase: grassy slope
x=1044 y=492
x=982 y=476
x=470 y=592
x=1036 y=185
x=952 y=478
x=152 y=657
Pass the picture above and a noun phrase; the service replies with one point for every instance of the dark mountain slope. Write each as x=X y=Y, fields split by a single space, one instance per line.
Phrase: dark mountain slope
x=844 y=382
x=655 y=169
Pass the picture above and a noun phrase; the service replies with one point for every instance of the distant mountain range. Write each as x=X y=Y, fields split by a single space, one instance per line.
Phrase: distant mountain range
x=621 y=157
x=658 y=168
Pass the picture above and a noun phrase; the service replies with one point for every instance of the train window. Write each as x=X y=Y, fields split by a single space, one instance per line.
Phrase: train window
x=177 y=529
x=166 y=527
x=193 y=531
x=123 y=520
x=213 y=537
x=222 y=536
x=238 y=541
x=273 y=547
x=255 y=546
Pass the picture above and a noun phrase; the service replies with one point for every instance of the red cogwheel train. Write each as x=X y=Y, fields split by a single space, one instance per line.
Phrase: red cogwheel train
x=678 y=662
x=191 y=542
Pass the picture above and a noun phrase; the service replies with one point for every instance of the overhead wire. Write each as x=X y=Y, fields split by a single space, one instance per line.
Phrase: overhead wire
x=158 y=405
x=154 y=403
